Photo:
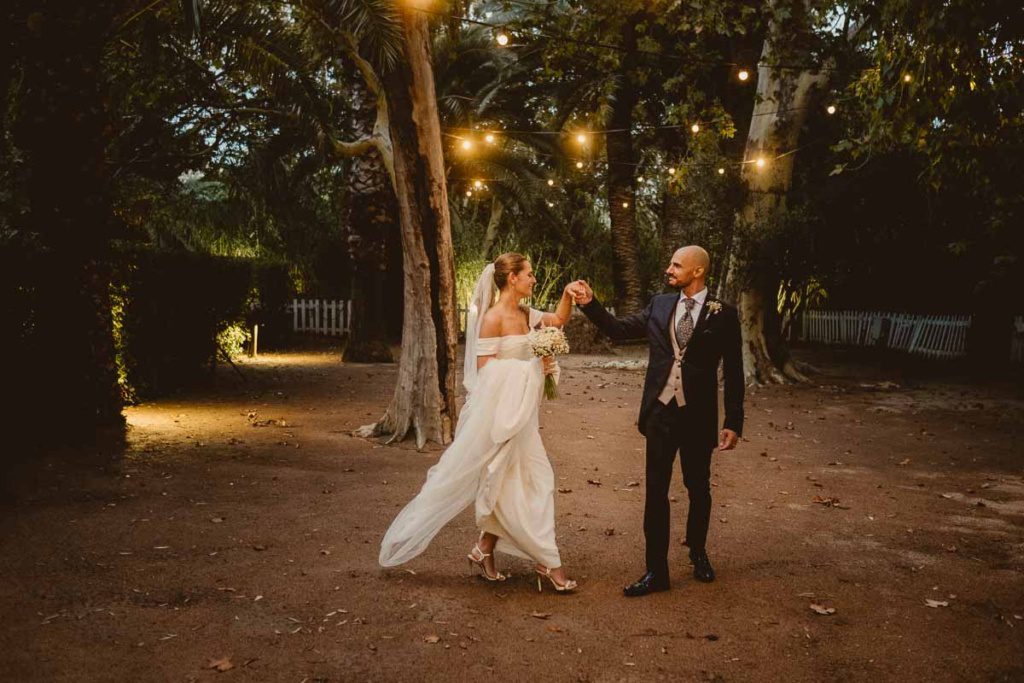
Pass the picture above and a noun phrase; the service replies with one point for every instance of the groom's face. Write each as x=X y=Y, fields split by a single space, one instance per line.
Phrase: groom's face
x=682 y=270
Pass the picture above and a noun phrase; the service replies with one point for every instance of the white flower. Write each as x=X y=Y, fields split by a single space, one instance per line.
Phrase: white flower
x=548 y=341
x=714 y=307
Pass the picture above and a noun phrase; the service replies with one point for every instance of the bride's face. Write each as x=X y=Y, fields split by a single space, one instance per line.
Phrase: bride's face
x=522 y=282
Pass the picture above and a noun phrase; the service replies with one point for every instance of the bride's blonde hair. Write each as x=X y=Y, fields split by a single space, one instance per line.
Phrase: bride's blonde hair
x=505 y=265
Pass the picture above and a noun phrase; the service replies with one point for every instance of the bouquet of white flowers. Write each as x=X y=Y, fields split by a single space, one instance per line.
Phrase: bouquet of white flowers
x=549 y=341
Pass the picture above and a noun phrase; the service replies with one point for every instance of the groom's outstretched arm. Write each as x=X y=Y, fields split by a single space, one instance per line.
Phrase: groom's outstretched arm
x=732 y=374
x=627 y=327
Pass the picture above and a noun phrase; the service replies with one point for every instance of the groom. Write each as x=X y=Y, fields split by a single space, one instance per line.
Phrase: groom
x=689 y=334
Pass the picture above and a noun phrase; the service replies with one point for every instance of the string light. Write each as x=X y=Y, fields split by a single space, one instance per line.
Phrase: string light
x=671 y=171
x=743 y=75
x=831 y=109
x=489 y=138
x=695 y=128
x=467 y=145
x=551 y=204
x=640 y=179
x=551 y=183
x=478 y=184
x=760 y=162
x=907 y=78
x=625 y=205
x=502 y=38
x=579 y=164
x=721 y=171
x=581 y=138
x=469 y=193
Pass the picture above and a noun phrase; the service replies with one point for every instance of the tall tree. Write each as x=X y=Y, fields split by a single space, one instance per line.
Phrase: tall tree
x=787 y=84
x=424 y=399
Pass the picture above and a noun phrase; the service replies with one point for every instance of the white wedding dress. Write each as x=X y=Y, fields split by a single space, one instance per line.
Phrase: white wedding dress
x=496 y=462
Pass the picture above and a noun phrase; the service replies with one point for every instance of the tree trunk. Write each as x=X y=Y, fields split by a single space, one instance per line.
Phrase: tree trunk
x=621 y=183
x=673 y=224
x=491 y=234
x=371 y=217
x=780 y=109
x=63 y=129
x=424 y=398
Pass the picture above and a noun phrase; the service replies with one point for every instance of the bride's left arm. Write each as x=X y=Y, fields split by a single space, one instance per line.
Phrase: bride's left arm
x=562 y=312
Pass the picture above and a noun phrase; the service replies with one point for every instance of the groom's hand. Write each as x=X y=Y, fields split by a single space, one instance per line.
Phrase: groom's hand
x=584 y=294
x=727 y=440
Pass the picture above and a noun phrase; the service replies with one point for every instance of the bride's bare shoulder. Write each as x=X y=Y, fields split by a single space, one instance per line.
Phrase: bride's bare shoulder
x=491 y=326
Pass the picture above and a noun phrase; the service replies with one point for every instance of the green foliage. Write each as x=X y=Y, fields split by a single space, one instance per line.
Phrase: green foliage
x=233 y=339
x=174 y=306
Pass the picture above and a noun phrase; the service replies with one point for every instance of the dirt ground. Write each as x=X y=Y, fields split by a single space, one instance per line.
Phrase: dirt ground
x=242 y=524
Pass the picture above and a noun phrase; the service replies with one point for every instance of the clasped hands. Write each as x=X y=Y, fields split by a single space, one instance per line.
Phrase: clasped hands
x=580 y=292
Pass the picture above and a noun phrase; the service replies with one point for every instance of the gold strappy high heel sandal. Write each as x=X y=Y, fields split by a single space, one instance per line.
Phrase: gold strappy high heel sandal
x=568 y=587
x=477 y=557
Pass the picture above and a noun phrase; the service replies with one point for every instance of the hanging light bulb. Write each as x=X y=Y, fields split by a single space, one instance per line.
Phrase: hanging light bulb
x=639 y=179
x=469 y=193
x=550 y=204
x=907 y=78
x=721 y=171
x=831 y=109
x=551 y=183
x=467 y=145
x=760 y=162
x=478 y=184
x=502 y=38
x=579 y=164
x=489 y=138
x=743 y=75
x=625 y=205
x=671 y=171
x=581 y=138
x=695 y=128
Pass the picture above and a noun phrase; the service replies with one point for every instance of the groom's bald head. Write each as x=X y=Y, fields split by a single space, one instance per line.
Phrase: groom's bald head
x=694 y=255
x=688 y=268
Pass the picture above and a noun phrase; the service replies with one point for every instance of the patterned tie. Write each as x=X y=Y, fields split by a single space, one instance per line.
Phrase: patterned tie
x=684 y=328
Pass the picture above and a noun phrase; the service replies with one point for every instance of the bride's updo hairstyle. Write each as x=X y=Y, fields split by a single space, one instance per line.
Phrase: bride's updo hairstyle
x=505 y=265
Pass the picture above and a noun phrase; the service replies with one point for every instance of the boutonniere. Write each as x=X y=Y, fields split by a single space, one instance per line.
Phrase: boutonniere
x=714 y=307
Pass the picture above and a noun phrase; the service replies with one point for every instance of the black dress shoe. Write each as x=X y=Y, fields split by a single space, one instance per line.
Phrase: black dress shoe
x=702 y=569
x=648 y=583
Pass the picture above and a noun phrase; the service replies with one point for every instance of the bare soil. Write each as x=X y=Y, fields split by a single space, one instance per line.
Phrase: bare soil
x=241 y=527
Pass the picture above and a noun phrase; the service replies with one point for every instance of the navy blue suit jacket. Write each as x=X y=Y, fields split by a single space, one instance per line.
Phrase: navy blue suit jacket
x=716 y=339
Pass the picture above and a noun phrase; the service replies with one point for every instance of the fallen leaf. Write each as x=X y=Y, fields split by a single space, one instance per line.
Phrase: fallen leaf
x=936 y=603
x=540 y=615
x=822 y=610
x=903 y=462
x=216 y=520
x=432 y=639
x=610 y=531
x=827 y=501
x=595 y=482
x=222 y=664
x=564 y=490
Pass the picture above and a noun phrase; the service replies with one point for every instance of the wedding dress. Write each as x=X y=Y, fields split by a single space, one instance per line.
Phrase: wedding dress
x=496 y=460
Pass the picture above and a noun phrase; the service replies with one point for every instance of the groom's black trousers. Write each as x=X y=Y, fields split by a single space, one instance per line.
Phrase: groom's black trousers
x=668 y=431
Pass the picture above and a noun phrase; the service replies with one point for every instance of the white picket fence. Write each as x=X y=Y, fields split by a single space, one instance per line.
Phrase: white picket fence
x=932 y=336
x=321 y=316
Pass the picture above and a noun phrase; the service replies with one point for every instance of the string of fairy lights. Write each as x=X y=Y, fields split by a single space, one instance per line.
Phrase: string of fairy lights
x=468 y=139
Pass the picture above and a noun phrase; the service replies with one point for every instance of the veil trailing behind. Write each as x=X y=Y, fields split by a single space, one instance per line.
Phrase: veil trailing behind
x=496 y=461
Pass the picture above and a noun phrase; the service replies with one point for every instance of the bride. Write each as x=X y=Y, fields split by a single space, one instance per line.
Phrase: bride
x=496 y=461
